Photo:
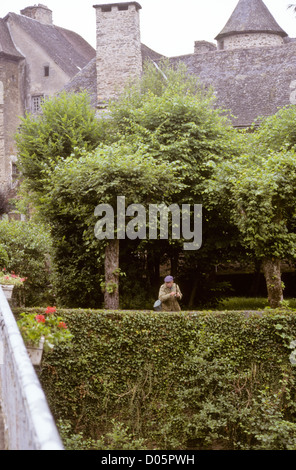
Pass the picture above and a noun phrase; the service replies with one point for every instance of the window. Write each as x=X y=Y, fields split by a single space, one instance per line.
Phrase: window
x=36 y=103
x=46 y=70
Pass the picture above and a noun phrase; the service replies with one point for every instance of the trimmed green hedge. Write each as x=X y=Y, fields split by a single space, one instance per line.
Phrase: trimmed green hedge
x=197 y=380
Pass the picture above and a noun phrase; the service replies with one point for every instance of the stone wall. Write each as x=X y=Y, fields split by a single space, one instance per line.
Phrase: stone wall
x=119 y=57
x=241 y=41
x=11 y=108
x=2 y=141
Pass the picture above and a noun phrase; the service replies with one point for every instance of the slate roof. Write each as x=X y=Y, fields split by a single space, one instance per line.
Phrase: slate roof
x=7 y=47
x=86 y=79
x=248 y=83
x=66 y=48
x=251 y=16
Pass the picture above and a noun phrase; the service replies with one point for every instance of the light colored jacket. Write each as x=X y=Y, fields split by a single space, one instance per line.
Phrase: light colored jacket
x=169 y=303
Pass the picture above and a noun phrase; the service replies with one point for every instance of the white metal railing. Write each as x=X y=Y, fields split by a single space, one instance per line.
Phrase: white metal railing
x=28 y=422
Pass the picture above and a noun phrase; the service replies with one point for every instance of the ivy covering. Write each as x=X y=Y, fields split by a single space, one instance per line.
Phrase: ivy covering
x=199 y=380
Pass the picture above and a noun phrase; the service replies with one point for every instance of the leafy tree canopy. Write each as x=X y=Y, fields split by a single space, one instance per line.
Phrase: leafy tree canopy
x=277 y=132
x=261 y=194
x=66 y=126
x=172 y=114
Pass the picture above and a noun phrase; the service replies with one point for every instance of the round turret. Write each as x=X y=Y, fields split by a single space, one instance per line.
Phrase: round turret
x=250 y=25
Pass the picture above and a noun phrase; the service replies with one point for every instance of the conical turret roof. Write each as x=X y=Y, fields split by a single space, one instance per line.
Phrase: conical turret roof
x=251 y=16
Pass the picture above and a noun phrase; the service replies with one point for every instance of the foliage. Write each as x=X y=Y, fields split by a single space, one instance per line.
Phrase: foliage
x=197 y=379
x=5 y=202
x=47 y=326
x=118 y=438
x=157 y=143
x=66 y=125
x=3 y=255
x=77 y=187
x=277 y=132
x=27 y=248
x=262 y=194
x=259 y=192
x=176 y=121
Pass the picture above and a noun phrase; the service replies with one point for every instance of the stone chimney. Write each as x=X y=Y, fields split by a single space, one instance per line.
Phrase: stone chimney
x=38 y=12
x=202 y=47
x=119 y=57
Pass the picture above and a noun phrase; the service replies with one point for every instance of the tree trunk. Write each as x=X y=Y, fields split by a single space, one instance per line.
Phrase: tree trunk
x=111 y=296
x=272 y=273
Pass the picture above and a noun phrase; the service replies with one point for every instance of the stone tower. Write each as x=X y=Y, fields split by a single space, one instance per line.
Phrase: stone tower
x=119 y=57
x=38 y=12
x=250 y=25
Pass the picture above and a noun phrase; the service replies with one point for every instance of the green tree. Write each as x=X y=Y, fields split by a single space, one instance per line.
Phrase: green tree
x=27 y=248
x=277 y=132
x=261 y=195
x=175 y=118
x=79 y=186
x=167 y=118
x=66 y=126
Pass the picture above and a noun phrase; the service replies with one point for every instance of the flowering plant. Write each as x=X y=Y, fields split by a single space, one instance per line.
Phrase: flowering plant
x=48 y=326
x=11 y=278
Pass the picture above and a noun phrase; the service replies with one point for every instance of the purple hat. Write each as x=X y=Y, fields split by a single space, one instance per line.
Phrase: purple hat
x=168 y=279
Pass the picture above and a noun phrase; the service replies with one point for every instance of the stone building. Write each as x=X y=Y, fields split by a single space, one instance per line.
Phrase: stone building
x=251 y=66
x=37 y=59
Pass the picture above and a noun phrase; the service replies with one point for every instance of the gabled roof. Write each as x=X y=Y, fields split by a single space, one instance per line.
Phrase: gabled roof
x=66 y=48
x=7 y=47
x=86 y=79
x=251 y=16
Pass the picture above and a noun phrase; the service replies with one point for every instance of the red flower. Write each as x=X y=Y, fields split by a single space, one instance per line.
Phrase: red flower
x=40 y=318
x=50 y=310
x=62 y=325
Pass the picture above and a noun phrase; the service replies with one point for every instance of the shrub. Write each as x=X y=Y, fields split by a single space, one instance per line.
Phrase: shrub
x=25 y=249
x=174 y=380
